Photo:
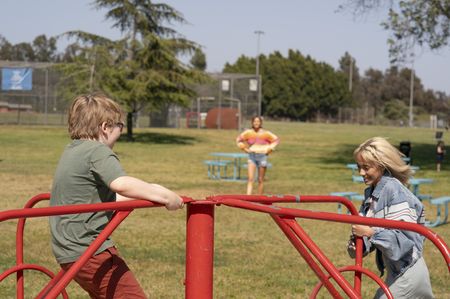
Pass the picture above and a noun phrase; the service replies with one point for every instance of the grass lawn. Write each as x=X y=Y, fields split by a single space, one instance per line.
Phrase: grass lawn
x=253 y=259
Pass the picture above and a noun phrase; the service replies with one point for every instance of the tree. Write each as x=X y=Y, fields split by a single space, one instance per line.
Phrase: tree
x=411 y=22
x=142 y=23
x=243 y=64
x=142 y=69
x=344 y=66
x=41 y=50
x=354 y=78
x=296 y=87
x=198 y=60
x=87 y=64
x=44 y=49
x=372 y=86
x=6 y=49
x=395 y=110
x=22 y=52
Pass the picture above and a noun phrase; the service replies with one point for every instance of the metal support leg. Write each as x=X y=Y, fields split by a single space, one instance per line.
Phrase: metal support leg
x=199 y=251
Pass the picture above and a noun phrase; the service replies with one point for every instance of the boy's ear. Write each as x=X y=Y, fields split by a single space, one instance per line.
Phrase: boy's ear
x=104 y=126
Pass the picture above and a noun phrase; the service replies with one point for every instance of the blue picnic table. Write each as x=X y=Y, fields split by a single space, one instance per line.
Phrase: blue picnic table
x=415 y=184
x=355 y=175
x=218 y=167
x=353 y=196
x=439 y=202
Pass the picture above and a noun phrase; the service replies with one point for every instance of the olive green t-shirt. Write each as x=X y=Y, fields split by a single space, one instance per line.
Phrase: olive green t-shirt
x=83 y=176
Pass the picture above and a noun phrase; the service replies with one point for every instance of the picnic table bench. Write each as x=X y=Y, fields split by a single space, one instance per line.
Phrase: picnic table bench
x=355 y=175
x=353 y=196
x=415 y=184
x=439 y=202
x=217 y=169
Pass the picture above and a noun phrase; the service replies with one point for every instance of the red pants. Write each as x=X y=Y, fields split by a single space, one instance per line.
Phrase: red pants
x=106 y=276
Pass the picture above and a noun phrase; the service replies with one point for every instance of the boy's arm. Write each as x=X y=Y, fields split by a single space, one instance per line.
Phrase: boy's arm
x=129 y=188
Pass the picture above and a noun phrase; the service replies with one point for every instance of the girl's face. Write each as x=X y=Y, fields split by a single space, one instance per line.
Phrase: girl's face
x=256 y=123
x=370 y=172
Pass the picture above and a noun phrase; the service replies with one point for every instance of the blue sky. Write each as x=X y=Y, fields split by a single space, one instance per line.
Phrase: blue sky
x=226 y=30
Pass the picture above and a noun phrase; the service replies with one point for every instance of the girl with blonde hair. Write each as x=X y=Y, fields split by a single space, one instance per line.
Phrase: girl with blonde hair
x=398 y=252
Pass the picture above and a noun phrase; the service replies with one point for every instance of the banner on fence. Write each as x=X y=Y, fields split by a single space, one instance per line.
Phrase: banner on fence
x=17 y=78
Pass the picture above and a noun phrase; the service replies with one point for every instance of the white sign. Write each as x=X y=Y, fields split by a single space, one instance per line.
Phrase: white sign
x=253 y=85
x=225 y=85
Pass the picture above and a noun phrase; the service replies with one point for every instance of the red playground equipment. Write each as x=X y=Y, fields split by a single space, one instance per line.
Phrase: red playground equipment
x=200 y=240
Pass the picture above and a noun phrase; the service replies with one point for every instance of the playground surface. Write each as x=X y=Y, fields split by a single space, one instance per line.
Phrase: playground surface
x=252 y=258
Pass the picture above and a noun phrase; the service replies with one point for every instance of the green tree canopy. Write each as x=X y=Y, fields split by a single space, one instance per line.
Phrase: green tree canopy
x=296 y=87
x=142 y=69
x=411 y=22
x=198 y=60
x=395 y=110
x=44 y=48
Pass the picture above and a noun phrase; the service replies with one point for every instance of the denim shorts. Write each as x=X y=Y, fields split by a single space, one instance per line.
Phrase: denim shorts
x=260 y=160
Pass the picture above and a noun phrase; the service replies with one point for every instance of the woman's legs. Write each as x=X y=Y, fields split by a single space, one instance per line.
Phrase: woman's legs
x=251 y=177
x=261 y=175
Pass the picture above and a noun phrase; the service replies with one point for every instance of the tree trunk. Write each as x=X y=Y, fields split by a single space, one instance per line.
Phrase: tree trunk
x=130 y=127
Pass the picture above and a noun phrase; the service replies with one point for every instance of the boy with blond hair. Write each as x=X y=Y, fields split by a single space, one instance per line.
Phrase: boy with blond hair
x=90 y=172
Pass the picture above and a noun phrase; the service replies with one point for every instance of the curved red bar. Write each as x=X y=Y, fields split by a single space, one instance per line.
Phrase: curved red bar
x=200 y=234
x=28 y=212
x=351 y=219
x=369 y=273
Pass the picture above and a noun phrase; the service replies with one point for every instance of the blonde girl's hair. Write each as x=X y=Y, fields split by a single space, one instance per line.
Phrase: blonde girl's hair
x=88 y=112
x=378 y=151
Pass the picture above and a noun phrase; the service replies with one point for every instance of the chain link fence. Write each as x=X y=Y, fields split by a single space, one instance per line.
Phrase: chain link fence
x=227 y=101
x=40 y=104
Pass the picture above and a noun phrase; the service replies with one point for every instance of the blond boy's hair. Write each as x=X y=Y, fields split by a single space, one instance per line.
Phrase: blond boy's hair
x=88 y=112
x=378 y=151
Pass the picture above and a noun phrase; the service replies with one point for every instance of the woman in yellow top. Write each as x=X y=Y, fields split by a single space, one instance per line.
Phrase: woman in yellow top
x=258 y=143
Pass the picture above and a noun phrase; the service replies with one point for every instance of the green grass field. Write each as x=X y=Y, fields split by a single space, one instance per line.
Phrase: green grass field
x=253 y=259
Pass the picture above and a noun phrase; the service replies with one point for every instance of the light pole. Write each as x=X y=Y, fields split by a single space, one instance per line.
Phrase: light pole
x=350 y=75
x=411 y=96
x=46 y=96
x=258 y=33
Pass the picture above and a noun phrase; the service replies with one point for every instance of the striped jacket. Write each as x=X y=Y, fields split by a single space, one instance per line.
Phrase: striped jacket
x=397 y=250
x=258 y=141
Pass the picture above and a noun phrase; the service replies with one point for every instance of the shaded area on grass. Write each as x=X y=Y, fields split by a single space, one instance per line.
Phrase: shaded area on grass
x=161 y=138
x=422 y=155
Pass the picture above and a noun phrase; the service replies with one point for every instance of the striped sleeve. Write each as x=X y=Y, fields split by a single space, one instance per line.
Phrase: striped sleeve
x=241 y=140
x=403 y=212
x=273 y=139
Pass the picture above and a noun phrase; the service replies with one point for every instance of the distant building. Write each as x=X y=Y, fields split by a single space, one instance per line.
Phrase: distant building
x=9 y=107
